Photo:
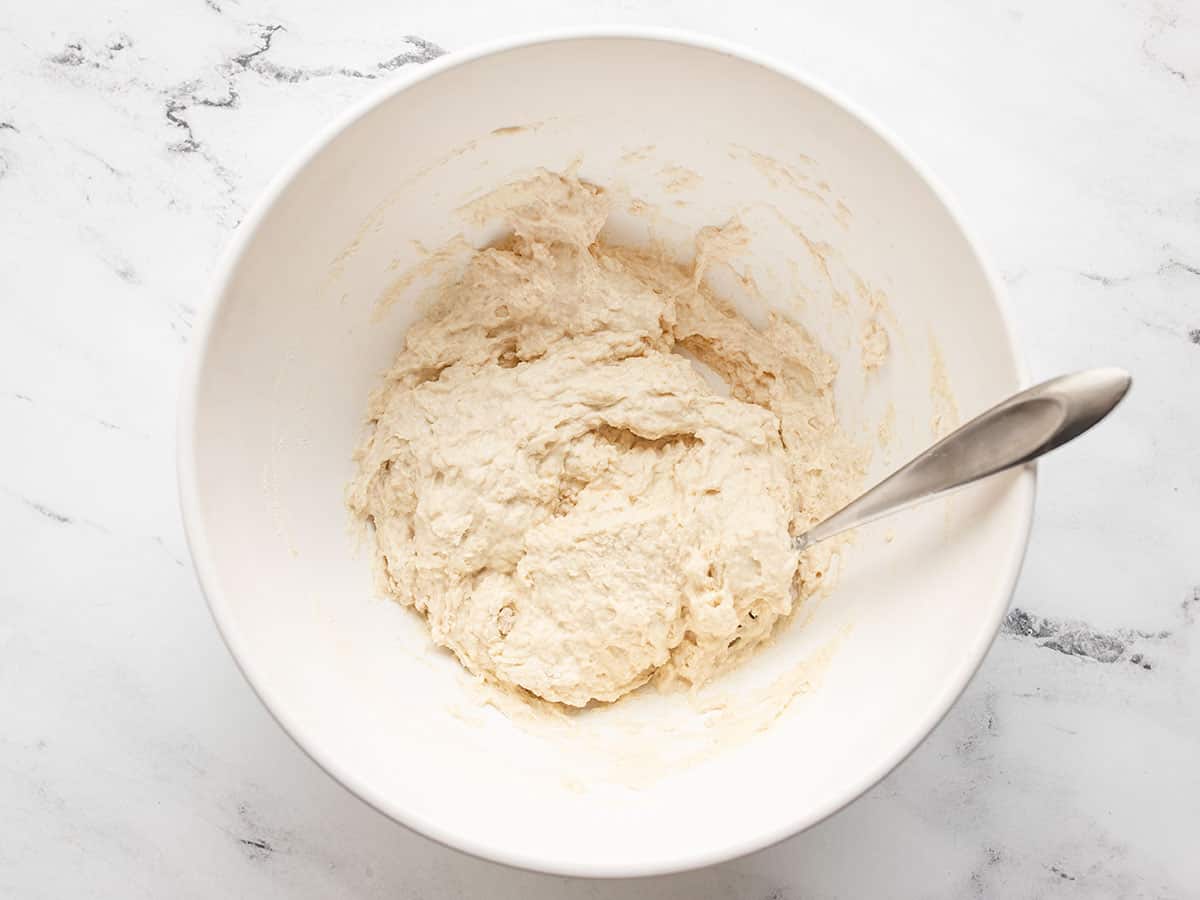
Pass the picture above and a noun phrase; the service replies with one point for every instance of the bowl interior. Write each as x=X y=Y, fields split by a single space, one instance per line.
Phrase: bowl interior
x=841 y=223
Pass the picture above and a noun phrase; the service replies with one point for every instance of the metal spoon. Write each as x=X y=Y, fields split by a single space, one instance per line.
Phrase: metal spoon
x=1020 y=429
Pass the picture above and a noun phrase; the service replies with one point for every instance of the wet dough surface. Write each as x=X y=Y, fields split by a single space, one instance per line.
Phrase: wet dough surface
x=563 y=495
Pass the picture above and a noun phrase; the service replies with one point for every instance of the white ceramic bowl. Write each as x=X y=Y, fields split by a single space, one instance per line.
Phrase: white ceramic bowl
x=288 y=349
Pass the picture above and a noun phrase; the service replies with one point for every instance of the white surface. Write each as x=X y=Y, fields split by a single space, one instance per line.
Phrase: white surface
x=296 y=342
x=133 y=759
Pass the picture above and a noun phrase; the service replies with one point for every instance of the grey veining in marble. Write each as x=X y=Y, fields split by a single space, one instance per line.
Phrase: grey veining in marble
x=134 y=761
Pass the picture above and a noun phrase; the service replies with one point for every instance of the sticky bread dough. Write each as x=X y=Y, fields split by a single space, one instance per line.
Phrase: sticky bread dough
x=562 y=495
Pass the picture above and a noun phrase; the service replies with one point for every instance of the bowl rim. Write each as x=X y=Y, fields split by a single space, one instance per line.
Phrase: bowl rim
x=207 y=314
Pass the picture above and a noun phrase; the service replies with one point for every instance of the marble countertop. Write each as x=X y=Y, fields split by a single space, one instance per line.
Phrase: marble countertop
x=135 y=762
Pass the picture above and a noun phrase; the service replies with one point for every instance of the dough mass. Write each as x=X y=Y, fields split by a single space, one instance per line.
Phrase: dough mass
x=570 y=504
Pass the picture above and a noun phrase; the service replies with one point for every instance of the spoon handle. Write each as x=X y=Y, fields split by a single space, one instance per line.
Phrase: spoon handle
x=1019 y=429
